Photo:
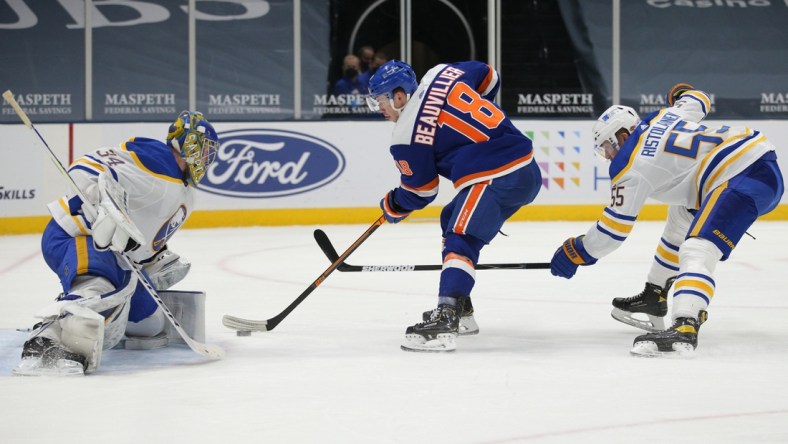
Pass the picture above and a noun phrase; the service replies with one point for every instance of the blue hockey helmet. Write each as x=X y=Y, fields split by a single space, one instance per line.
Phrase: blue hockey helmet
x=390 y=76
x=194 y=137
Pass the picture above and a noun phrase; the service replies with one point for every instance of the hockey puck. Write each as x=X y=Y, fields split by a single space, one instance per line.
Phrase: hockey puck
x=243 y=333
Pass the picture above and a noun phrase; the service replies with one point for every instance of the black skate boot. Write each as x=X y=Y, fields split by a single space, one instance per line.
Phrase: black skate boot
x=468 y=325
x=652 y=302
x=679 y=340
x=436 y=334
x=43 y=357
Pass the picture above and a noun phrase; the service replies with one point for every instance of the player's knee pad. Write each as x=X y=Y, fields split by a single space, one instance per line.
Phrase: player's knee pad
x=698 y=255
x=694 y=286
x=464 y=245
x=149 y=326
x=460 y=255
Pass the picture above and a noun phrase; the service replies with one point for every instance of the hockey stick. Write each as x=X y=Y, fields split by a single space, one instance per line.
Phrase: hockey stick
x=246 y=326
x=207 y=350
x=331 y=254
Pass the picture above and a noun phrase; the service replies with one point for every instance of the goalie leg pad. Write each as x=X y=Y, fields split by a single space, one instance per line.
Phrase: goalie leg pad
x=148 y=333
x=83 y=333
x=188 y=307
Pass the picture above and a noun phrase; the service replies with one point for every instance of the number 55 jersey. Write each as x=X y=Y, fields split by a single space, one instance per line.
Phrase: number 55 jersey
x=450 y=127
x=671 y=157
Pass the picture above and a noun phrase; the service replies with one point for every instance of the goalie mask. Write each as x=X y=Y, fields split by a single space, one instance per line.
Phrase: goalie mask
x=390 y=76
x=196 y=140
x=615 y=119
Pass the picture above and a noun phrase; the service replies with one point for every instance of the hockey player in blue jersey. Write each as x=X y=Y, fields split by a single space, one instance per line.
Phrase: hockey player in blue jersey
x=448 y=126
x=717 y=181
x=154 y=184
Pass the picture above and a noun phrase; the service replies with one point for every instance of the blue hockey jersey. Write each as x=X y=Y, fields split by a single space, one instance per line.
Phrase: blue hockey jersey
x=450 y=127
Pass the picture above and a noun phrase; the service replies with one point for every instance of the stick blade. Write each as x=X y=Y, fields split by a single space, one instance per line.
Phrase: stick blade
x=241 y=324
x=210 y=351
x=325 y=244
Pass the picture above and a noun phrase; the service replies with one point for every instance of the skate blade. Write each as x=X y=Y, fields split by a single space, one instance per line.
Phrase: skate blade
x=653 y=324
x=34 y=367
x=649 y=349
x=442 y=343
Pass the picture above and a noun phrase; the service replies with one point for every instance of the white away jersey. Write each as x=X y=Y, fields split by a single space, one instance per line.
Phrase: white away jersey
x=672 y=158
x=159 y=199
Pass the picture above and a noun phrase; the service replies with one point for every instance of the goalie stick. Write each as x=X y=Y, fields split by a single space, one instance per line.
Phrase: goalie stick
x=248 y=325
x=331 y=254
x=207 y=350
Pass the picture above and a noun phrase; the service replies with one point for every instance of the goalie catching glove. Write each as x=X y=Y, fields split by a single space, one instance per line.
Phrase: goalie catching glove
x=113 y=229
x=569 y=256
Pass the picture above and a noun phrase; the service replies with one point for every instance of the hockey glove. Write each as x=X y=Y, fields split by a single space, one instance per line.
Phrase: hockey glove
x=676 y=92
x=391 y=211
x=569 y=256
x=113 y=229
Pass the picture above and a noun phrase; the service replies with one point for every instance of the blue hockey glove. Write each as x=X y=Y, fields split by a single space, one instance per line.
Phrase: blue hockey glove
x=676 y=92
x=391 y=211
x=569 y=256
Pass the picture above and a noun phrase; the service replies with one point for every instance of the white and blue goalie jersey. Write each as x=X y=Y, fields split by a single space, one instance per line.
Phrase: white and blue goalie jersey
x=159 y=199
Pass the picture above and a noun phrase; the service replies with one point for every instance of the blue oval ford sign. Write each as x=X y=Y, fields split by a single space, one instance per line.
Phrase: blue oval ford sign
x=270 y=163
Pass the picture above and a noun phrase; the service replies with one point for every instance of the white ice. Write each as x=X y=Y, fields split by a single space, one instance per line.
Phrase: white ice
x=549 y=365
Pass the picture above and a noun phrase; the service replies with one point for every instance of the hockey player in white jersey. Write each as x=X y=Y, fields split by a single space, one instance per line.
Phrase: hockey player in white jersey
x=718 y=181
x=143 y=191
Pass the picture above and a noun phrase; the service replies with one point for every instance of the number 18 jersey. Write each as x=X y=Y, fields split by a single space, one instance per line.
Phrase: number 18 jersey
x=450 y=127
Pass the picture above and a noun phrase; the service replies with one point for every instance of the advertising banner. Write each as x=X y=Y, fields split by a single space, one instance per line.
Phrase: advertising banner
x=735 y=50
x=304 y=165
x=42 y=59
x=244 y=59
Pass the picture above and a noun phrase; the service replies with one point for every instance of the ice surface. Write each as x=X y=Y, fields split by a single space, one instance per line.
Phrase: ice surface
x=550 y=365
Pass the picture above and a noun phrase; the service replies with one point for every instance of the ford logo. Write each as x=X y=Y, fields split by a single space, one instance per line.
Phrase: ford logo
x=256 y=163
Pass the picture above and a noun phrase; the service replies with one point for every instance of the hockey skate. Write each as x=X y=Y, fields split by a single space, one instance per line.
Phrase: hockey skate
x=43 y=357
x=468 y=325
x=680 y=340
x=651 y=303
x=436 y=334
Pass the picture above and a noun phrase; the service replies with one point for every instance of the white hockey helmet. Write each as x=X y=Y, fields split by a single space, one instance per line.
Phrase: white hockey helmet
x=610 y=123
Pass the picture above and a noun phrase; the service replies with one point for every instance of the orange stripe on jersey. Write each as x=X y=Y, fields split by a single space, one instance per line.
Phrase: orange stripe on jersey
x=462 y=127
x=430 y=186
x=469 y=206
x=486 y=82
x=471 y=177
x=458 y=257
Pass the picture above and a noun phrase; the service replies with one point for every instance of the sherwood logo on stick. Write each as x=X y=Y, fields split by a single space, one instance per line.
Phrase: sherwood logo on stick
x=260 y=163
